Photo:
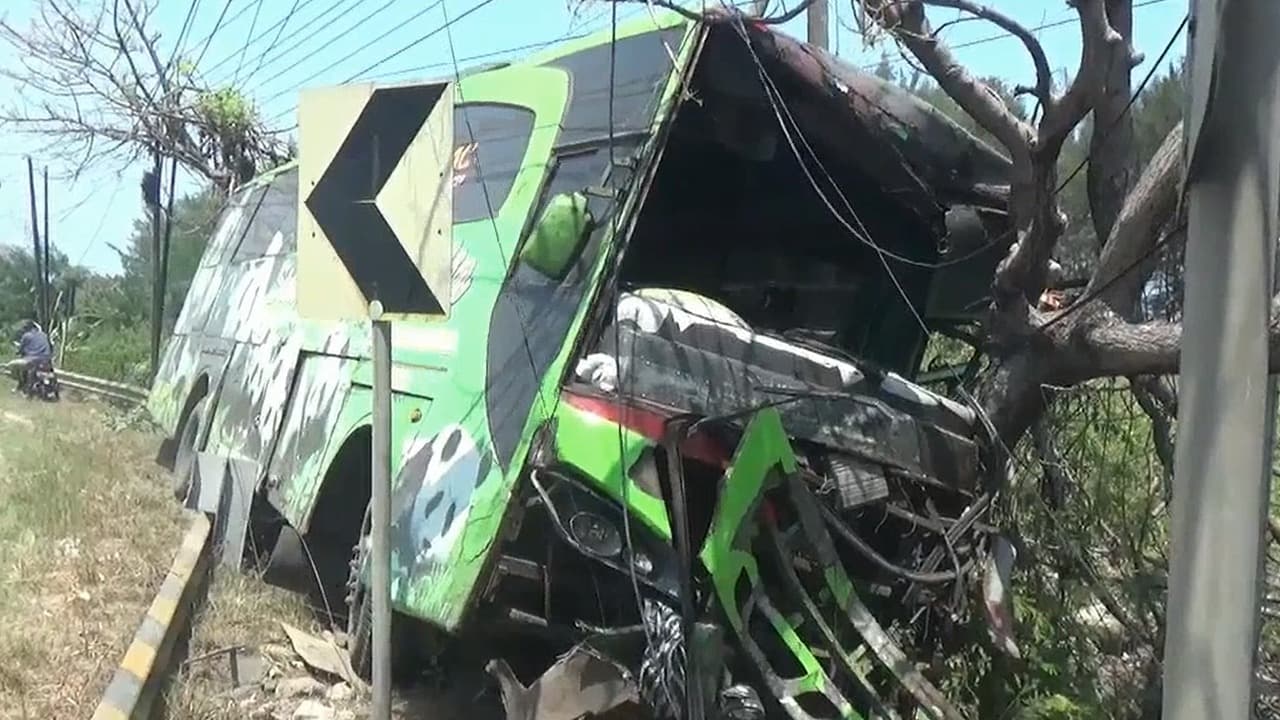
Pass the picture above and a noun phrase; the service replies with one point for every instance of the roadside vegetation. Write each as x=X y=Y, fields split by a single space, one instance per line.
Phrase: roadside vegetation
x=88 y=532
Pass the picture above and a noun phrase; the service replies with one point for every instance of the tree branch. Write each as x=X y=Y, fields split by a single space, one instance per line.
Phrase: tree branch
x=1043 y=89
x=1161 y=416
x=907 y=22
x=80 y=80
x=713 y=15
x=1137 y=228
x=1098 y=41
x=1114 y=347
x=1111 y=171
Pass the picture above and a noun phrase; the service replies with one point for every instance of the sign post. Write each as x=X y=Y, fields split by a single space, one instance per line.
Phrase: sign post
x=380 y=524
x=375 y=240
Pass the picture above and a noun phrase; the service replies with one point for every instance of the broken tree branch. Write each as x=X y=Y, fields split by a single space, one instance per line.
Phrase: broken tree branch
x=1136 y=229
x=1098 y=42
x=1043 y=90
x=907 y=22
x=1111 y=171
x=1113 y=347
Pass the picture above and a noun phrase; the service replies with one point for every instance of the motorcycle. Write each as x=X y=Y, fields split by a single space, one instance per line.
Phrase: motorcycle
x=41 y=383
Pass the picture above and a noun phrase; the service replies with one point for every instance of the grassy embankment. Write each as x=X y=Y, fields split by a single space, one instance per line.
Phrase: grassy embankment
x=87 y=534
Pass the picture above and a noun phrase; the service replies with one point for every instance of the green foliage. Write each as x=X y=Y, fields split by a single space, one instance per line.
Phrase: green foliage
x=116 y=352
x=129 y=301
x=228 y=110
x=18 y=281
x=102 y=326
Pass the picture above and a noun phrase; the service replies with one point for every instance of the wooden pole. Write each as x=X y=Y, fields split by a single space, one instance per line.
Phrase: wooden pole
x=46 y=288
x=157 y=291
x=35 y=240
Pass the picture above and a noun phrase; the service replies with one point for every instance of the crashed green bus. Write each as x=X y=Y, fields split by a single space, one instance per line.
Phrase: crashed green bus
x=691 y=271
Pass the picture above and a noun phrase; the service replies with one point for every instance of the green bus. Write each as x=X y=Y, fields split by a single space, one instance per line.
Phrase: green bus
x=693 y=266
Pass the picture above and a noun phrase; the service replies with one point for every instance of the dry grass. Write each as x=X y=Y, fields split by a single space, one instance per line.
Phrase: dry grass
x=88 y=532
x=241 y=612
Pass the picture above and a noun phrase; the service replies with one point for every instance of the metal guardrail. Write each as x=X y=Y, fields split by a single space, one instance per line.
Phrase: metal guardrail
x=121 y=392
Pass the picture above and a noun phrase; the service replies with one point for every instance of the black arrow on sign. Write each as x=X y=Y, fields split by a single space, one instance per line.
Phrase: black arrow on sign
x=342 y=201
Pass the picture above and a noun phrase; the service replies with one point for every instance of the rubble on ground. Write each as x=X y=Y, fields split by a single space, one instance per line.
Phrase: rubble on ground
x=277 y=682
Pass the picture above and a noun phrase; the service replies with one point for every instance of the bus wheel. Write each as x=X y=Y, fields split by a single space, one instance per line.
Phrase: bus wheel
x=360 y=615
x=184 y=466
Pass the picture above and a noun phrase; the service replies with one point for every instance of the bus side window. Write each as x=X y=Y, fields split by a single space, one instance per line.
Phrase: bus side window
x=272 y=229
x=231 y=226
x=489 y=143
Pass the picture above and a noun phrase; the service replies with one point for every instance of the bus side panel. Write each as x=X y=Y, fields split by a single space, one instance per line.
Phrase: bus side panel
x=320 y=416
x=252 y=399
x=173 y=382
x=186 y=358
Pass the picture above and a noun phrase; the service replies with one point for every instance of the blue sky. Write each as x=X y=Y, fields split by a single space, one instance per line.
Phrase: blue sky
x=332 y=41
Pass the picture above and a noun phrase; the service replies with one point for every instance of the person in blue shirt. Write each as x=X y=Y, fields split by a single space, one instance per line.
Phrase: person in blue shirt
x=34 y=351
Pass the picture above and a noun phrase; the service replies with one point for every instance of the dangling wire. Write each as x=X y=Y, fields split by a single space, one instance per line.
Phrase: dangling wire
x=623 y=478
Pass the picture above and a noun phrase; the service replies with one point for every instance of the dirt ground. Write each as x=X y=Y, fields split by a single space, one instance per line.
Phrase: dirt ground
x=242 y=663
x=88 y=531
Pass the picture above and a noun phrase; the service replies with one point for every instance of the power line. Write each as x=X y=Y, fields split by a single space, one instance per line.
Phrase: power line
x=283 y=23
x=567 y=37
x=570 y=36
x=422 y=39
x=216 y=26
x=253 y=25
x=779 y=106
x=301 y=40
x=394 y=28
x=461 y=62
x=1084 y=299
x=446 y=27
x=623 y=480
x=182 y=34
x=252 y=41
x=1007 y=36
x=101 y=221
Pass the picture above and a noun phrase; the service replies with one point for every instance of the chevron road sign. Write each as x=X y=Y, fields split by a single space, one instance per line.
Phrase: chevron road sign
x=374 y=200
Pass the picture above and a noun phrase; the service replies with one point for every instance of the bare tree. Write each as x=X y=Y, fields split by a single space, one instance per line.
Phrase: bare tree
x=93 y=85
x=1098 y=334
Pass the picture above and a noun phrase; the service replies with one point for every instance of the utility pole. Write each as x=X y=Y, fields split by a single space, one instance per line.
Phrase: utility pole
x=35 y=241
x=1222 y=469
x=157 y=291
x=168 y=239
x=816 y=15
x=46 y=290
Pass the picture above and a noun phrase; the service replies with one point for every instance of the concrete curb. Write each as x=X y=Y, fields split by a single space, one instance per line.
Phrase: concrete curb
x=135 y=688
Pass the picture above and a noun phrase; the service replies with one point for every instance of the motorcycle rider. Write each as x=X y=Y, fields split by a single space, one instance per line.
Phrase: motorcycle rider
x=34 y=351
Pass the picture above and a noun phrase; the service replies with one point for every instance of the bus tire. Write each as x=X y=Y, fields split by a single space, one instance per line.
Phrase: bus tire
x=184 y=465
x=360 y=618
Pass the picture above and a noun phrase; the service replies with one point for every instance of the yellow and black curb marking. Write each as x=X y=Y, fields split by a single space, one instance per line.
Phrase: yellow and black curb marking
x=133 y=690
